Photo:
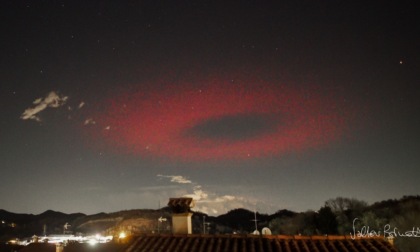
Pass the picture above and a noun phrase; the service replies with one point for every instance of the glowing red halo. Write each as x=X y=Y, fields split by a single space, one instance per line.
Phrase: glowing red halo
x=162 y=123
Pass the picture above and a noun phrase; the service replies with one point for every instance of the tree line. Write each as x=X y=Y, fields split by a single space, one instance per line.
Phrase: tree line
x=338 y=216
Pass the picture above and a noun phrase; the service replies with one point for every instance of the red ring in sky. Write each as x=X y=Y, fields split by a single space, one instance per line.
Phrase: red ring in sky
x=167 y=123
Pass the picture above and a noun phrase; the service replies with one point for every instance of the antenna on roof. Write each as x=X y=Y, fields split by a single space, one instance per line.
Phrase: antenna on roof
x=160 y=220
x=205 y=224
x=256 y=232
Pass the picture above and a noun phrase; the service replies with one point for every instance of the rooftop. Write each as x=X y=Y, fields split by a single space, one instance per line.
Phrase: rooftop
x=245 y=243
x=227 y=243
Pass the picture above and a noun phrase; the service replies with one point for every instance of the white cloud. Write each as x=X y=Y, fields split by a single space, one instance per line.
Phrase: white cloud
x=225 y=198
x=198 y=194
x=52 y=100
x=176 y=179
x=37 y=101
x=207 y=201
x=89 y=121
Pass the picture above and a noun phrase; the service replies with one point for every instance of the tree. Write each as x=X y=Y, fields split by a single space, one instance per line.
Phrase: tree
x=283 y=225
x=341 y=204
x=371 y=220
x=346 y=210
x=407 y=220
x=326 y=221
x=302 y=223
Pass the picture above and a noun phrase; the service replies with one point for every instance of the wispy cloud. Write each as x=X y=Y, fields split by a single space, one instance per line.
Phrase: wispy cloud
x=81 y=105
x=51 y=100
x=89 y=121
x=176 y=179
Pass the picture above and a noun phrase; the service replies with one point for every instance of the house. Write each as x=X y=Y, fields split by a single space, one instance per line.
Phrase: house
x=182 y=240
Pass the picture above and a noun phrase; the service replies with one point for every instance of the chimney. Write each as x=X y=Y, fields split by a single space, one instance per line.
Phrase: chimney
x=181 y=215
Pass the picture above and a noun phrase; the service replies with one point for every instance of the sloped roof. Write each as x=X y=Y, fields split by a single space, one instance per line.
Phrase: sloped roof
x=245 y=243
x=39 y=247
x=181 y=205
x=99 y=247
x=188 y=202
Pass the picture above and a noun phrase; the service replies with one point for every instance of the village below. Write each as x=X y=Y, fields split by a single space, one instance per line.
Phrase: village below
x=396 y=220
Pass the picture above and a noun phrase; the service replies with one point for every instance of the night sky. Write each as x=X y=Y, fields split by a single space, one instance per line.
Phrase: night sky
x=266 y=105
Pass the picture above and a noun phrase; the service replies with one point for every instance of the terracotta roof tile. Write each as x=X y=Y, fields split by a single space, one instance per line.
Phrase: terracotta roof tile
x=251 y=243
x=230 y=243
x=39 y=247
x=99 y=247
